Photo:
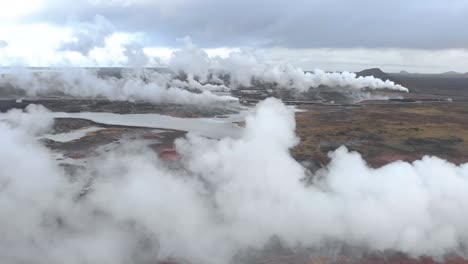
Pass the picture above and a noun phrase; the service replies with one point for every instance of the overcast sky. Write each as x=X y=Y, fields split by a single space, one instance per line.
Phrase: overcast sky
x=416 y=35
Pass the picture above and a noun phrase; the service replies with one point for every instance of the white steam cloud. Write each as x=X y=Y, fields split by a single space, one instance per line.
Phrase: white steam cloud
x=244 y=68
x=147 y=85
x=193 y=76
x=232 y=195
x=35 y=119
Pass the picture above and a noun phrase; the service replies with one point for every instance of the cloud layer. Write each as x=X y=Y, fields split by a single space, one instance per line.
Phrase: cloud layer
x=295 y=24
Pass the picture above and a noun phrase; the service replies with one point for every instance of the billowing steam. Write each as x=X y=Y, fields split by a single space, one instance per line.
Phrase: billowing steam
x=191 y=79
x=245 y=69
x=190 y=75
x=133 y=85
x=229 y=196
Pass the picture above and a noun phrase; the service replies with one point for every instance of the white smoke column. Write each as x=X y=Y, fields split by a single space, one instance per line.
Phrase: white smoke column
x=137 y=84
x=87 y=36
x=30 y=186
x=416 y=208
x=232 y=195
x=246 y=196
x=190 y=60
x=193 y=84
x=18 y=77
x=245 y=66
x=35 y=119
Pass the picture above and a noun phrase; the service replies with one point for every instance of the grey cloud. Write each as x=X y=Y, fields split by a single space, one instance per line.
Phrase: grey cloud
x=87 y=36
x=3 y=44
x=428 y=24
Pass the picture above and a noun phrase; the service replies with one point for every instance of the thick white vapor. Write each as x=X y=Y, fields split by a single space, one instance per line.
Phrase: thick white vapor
x=245 y=69
x=138 y=84
x=35 y=119
x=232 y=195
x=192 y=78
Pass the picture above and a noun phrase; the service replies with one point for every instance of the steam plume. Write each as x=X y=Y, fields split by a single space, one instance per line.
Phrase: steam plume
x=192 y=78
x=232 y=195
x=244 y=68
x=139 y=84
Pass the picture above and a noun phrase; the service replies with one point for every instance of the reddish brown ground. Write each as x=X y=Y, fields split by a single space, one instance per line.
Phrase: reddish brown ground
x=385 y=132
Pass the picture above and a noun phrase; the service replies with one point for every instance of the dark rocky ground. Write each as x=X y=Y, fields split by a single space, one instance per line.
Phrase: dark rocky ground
x=73 y=105
x=385 y=132
x=435 y=85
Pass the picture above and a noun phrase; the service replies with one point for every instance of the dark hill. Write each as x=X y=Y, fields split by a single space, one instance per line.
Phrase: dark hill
x=378 y=73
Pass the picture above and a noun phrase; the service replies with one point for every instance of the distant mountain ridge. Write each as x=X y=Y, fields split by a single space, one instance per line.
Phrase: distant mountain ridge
x=378 y=73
